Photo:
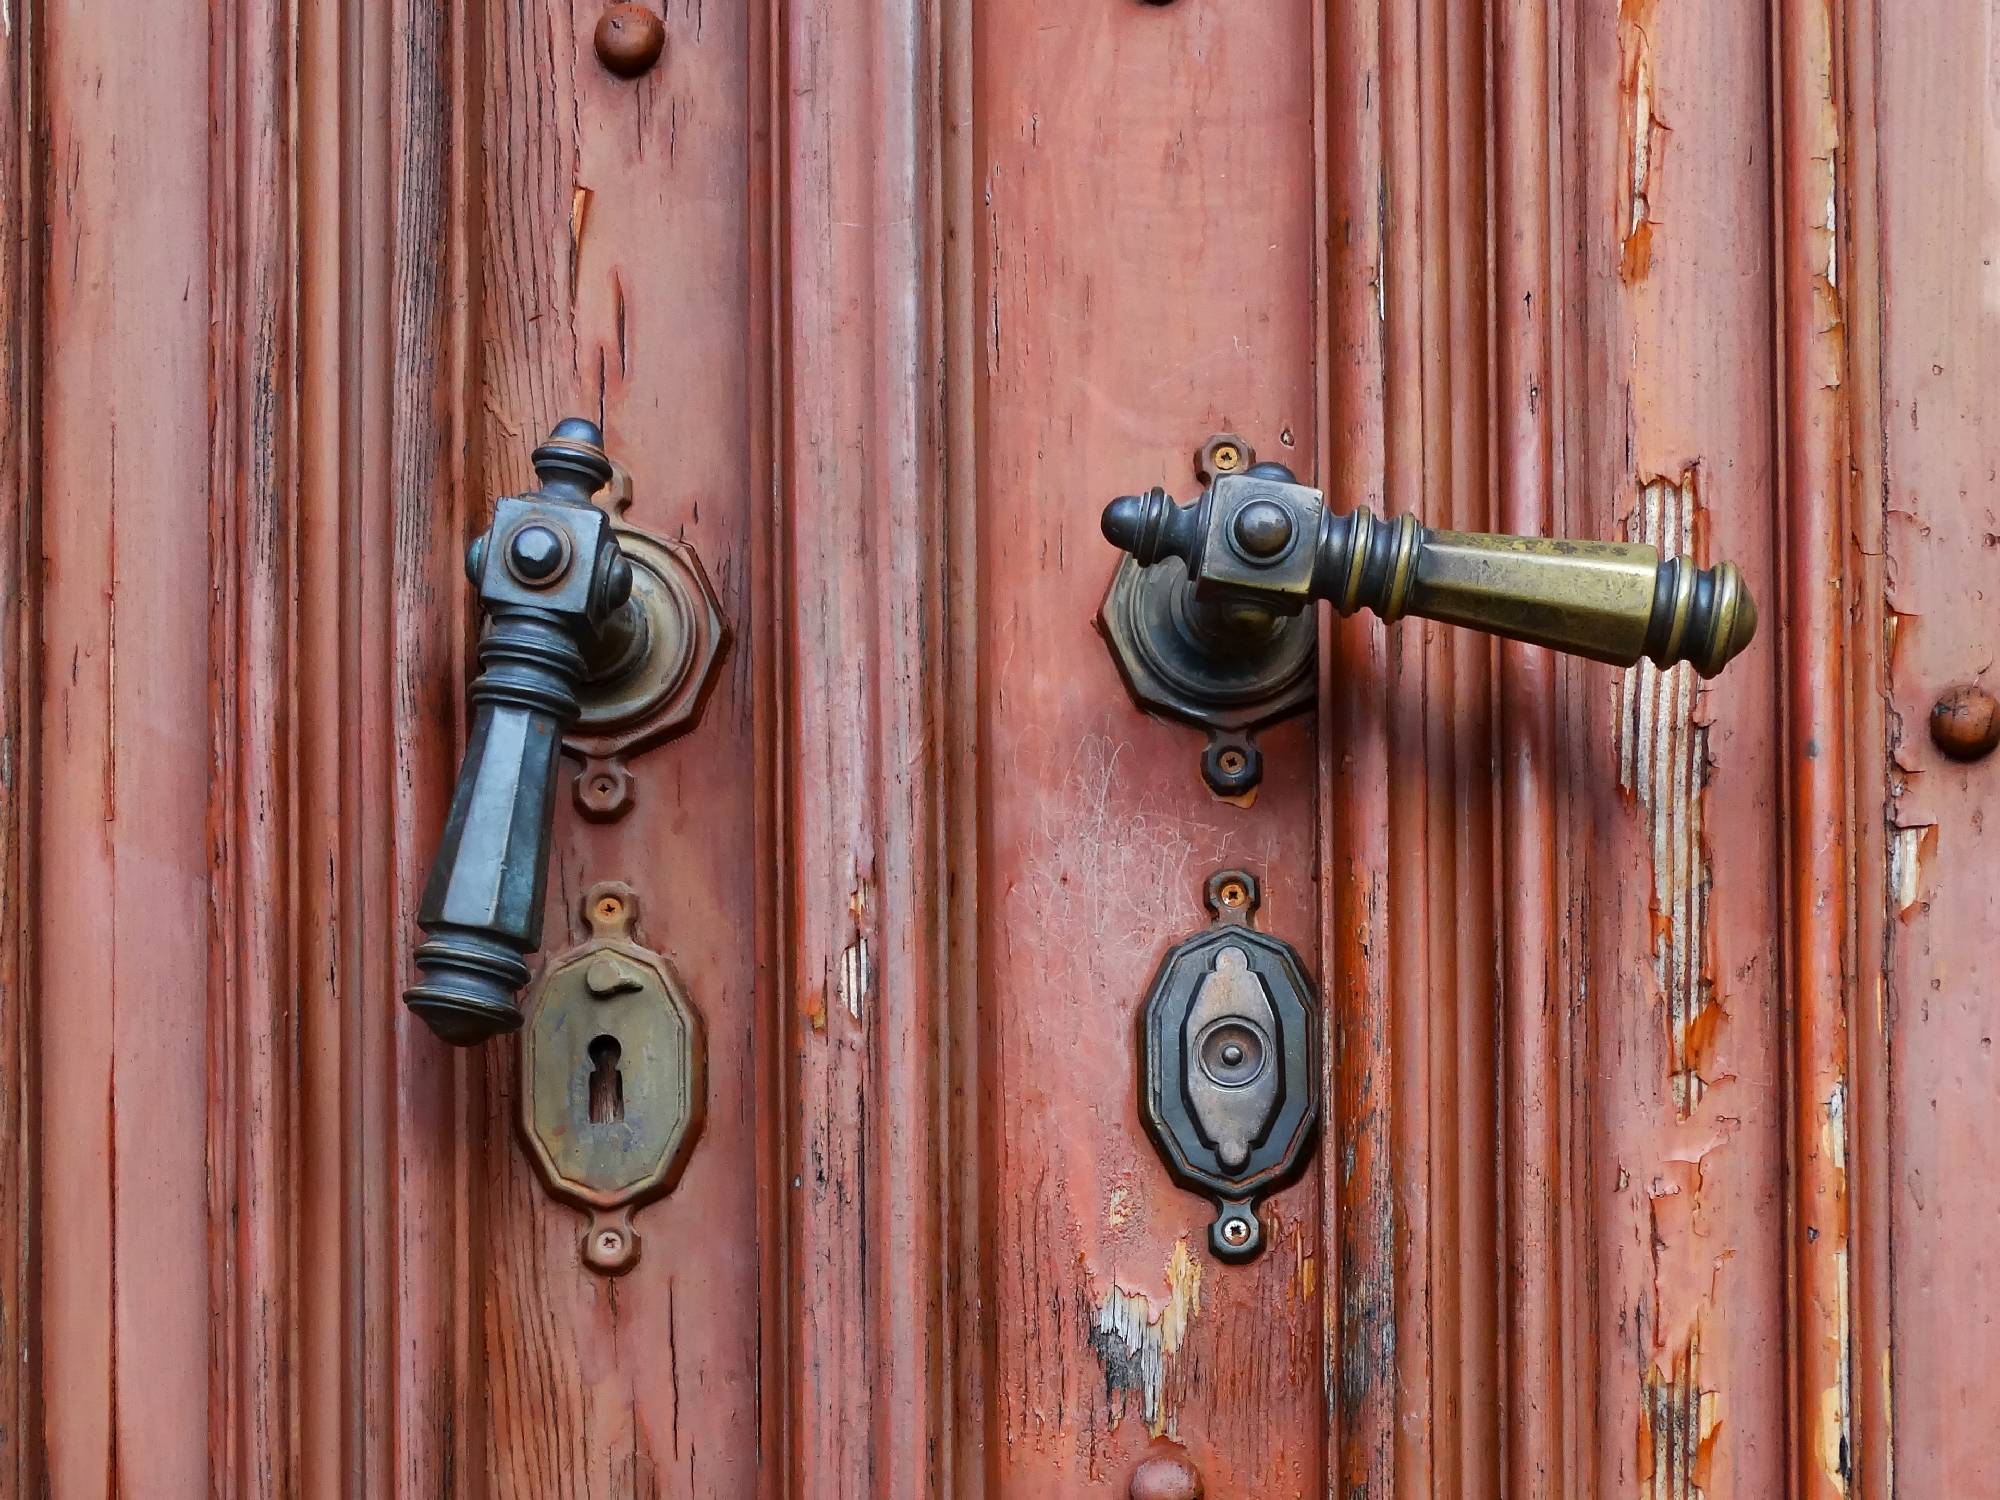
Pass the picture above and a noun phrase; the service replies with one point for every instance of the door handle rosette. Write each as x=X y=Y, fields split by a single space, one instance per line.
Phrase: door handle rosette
x=1206 y=615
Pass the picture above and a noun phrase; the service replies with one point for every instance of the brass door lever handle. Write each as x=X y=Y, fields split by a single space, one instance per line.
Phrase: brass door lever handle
x=1202 y=621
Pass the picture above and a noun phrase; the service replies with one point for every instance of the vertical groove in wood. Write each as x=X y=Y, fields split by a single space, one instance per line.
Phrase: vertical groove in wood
x=963 y=1149
x=326 y=1226
x=1870 y=1192
x=419 y=1124
x=866 y=694
x=1528 y=767
x=1411 y=815
x=1371 y=455
x=253 y=1175
x=1813 y=633
x=20 y=666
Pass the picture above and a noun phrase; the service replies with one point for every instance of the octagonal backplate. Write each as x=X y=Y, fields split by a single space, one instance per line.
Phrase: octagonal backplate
x=1229 y=1064
x=655 y=691
x=613 y=1076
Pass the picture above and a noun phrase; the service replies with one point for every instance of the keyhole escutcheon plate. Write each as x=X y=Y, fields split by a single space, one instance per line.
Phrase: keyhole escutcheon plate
x=613 y=1076
x=1229 y=1064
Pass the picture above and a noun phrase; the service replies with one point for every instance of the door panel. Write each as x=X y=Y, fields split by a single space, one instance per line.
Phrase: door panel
x=1655 y=1011
x=1137 y=294
x=613 y=283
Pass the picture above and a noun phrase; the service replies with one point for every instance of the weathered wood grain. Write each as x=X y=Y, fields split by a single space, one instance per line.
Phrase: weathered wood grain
x=1939 y=147
x=1659 y=1085
x=1144 y=280
x=122 y=776
x=20 y=631
x=613 y=220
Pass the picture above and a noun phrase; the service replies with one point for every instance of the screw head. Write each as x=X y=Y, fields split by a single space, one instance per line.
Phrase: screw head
x=1263 y=529
x=629 y=39
x=1965 y=722
x=536 y=553
x=1231 y=770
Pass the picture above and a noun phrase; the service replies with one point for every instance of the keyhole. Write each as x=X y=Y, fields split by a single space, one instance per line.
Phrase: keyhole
x=607 y=1084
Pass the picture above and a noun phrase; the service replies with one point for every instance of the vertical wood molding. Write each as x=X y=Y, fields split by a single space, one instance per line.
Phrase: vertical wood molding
x=420 y=1114
x=1411 y=824
x=253 y=1161
x=876 y=1155
x=20 y=634
x=1531 y=773
x=1814 y=637
x=1870 y=1194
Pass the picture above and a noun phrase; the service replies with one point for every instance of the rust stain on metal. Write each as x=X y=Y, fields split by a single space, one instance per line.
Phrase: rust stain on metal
x=1663 y=765
x=1640 y=134
x=1138 y=1344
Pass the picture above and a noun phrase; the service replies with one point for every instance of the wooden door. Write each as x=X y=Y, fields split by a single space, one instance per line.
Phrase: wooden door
x=1658 y=1016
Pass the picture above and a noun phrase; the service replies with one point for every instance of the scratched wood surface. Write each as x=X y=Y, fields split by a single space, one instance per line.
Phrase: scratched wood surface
x=1939 y=536
x=1660 y=1077
x=613 y=229
x=1145 y=279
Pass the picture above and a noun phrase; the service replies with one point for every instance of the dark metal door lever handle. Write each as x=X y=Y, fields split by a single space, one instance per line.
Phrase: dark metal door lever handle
x=556 y=591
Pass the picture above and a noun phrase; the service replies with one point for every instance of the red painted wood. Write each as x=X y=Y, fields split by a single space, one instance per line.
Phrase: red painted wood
x=1656 y=1012
x=1137 y=295
x=1941 y=538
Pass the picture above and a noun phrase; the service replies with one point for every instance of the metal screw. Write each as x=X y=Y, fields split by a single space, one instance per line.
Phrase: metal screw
x=1226 y=457
x=1965 y=722
x=1235 y=1231
x=629 y=39
x=1263 y=529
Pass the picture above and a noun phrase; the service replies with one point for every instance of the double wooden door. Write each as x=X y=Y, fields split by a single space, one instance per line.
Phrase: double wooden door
x=1657 y=1015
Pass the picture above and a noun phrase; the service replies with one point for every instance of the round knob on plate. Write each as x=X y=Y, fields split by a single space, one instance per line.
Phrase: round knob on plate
x=1167 y=1477
x=629 y=39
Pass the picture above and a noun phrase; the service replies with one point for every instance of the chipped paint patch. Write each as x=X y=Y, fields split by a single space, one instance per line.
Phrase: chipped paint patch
x=1641 y=135
x=856 y=972
x=1663 y=765
x=1138 y=1345
x=1119 y=1208
x=1678 y=1421
x=1835 y=1437
x=1909 y=849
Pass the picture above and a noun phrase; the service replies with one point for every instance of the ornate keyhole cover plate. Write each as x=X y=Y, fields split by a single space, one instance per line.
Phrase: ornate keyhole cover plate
x=613 y=1076
x=1229 y=1074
